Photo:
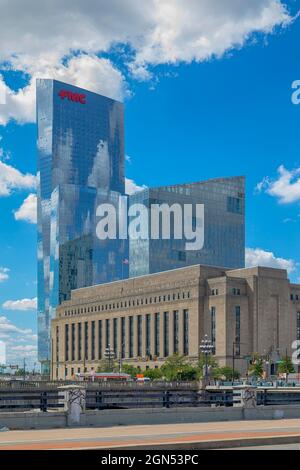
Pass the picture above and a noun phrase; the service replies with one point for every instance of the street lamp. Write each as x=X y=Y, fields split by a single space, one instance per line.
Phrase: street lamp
x=206 y=347
x=109 y=354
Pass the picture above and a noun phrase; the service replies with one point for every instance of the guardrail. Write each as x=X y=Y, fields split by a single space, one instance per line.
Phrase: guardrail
x=45 y=385
x=101 y=396
x=278 y=397
x=30 y=400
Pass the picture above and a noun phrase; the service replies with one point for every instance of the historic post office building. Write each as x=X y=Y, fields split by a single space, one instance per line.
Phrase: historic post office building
x=146 y=319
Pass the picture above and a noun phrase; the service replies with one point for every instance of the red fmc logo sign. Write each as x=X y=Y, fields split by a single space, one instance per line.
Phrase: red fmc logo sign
x=71 y=96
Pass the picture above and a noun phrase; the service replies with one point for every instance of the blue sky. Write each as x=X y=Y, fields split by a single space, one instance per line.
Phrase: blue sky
x=189 y=116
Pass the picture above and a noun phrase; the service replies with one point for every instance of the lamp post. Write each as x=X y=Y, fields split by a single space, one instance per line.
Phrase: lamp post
x=206 y=348
x=109 y=354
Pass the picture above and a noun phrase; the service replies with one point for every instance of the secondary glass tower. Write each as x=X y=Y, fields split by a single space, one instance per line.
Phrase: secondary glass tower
x=80 y=165
x=224 y=227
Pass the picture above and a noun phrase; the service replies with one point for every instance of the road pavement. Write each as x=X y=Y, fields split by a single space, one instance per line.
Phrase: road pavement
x=167 y=436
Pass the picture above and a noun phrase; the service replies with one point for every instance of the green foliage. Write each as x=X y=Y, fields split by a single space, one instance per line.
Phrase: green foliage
x=178 y=367
x=225 y=373
x=212 y=364
x=131 y=370
x=286 y=366
x=256 y=369
x=153 y=374
x=19 y=372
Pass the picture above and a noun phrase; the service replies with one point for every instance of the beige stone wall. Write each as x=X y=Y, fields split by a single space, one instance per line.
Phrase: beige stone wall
x=268 y=316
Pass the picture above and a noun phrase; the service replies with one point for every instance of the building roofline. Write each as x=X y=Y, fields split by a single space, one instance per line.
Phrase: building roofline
x=81 y=88
x=153 y=274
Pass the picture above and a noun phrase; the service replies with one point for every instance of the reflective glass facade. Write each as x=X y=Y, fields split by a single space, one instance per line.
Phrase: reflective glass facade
x=80 y=165
x=224 y=227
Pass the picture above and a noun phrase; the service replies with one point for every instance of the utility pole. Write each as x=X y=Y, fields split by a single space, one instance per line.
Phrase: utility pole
x=24 y=370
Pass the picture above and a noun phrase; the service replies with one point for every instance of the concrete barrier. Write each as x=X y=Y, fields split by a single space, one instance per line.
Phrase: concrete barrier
x=109 y=418
x=33 y=420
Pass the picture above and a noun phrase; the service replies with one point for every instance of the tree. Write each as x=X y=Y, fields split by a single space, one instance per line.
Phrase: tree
x=19 y=372
x=153 y=374
x=256 y=368
x=211 y=362
x=226 y=373
x=286 y=366
x=131 y=370
x=177 y=367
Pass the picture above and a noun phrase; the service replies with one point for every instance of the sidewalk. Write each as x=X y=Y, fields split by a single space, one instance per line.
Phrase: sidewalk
x=179 y=436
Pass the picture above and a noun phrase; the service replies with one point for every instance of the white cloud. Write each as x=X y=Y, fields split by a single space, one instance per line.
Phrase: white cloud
x=12 y=179
x=156 y=31
x=259 y=257
x=23 y=304
x=286 y=188
x=4 y=274
x=20 y=342
x=28 y=210
x=91 y=72
x=132 y=187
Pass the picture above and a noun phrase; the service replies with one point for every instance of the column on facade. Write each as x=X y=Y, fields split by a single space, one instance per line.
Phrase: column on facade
x=96 y=339
x=144 y=335
x=127 y=336
x=162 y=334
x=171 y=332
x=111 y=333
x=103 y=337
x=89 y=340
x=70 y=341
x=135 y=336
x=180 y=331
x=83 y=354
x=152 y=335
x=119 y=338
x=76 y=342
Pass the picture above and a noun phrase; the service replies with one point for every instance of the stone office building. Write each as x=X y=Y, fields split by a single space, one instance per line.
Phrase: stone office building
x=148 y=318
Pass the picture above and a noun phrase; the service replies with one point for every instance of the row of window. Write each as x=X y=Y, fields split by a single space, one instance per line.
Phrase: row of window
x=74 y=333
x=128 y=303
x=295 y=297
x=234 y=291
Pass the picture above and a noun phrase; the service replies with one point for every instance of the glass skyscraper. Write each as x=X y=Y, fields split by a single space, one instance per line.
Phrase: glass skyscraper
x=80 y=165
x=224 y=227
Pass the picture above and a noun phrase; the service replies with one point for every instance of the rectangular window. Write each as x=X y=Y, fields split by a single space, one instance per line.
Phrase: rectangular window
x=237 y=331
x=116 y=336
x=67 y=342
x=79 y=341
x=148 y=335
x=131 y=333
x=176 y=331
x=93 y=341
x=123 y=336
x=157 y=334
x=234 y=204
x=86 y=340
x=186 y=332
x=213 y=328
x=139 y=335
x=100 y=338
x=107 y=333
x=73 y=342
x=166 y=334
